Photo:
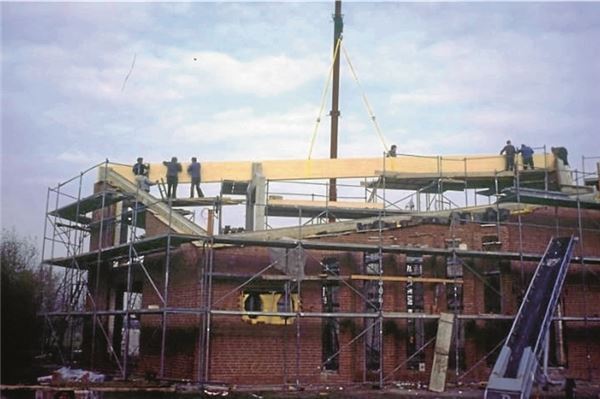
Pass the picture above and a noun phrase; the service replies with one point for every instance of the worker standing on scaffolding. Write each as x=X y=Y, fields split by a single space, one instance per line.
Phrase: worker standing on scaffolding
x=509 y=151
x=194 y=171
x=561 y=153
x=173 y=169
x=527 y=155
x=140 y=171
x=392 y=152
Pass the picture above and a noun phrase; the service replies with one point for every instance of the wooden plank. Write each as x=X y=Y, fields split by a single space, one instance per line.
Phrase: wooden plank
x=437 y=381
x=306 y=169
x=329 y=204
x=407 y=279
x=177 y=222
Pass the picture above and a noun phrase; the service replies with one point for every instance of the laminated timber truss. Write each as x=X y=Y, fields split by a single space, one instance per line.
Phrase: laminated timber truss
x=75 y=242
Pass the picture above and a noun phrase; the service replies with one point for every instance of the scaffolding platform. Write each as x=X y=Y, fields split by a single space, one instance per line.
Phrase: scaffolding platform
x=457 y=181
x=144 y=246
x=76 y=211
x=549 y=198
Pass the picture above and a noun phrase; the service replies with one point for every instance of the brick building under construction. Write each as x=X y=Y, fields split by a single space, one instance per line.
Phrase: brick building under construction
x=390 y=289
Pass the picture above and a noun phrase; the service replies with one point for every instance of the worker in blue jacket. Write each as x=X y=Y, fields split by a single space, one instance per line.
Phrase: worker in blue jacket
x=194 y=172
x=527 y=155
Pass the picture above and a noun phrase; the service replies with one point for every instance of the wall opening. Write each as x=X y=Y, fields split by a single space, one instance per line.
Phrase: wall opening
x=270 y=297
x=415 y=303
x=330 y=326
x=492 y=301
x=373 y=291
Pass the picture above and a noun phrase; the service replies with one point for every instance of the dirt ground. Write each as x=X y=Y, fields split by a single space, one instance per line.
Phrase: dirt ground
x=105 y=391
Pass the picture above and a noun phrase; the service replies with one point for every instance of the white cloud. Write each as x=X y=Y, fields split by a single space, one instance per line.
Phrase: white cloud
x=77 y=156
x=263 y=76
x=435 y=96
x=246 y=124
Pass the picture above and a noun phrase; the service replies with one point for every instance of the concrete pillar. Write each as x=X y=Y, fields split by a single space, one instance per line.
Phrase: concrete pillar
x=256 y=200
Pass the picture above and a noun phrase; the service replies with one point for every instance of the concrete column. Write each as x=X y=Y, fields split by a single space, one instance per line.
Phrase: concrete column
x=256 y=200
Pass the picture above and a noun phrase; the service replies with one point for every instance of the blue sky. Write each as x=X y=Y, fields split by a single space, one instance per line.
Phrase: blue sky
x=240 y=81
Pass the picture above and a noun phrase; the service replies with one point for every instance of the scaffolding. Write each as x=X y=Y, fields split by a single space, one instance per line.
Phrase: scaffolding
x=68 y=230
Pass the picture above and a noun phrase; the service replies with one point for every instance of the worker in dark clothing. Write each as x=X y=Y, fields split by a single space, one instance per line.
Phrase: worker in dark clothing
x=173 y=169
x=140 y=171
x=140 y=168
x=392 y=152
x=527 y=155
x=561 y=153
x=194 y=171
x=509 y=151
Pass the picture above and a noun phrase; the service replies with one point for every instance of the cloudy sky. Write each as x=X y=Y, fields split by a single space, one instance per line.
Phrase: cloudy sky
x=83 y=82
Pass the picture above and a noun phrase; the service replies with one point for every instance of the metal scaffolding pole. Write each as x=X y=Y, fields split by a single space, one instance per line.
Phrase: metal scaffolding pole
x=208 y=313
x=163 y=340
x=99 y=263
x=584 y=282
x=43 y=271
x=132 y=238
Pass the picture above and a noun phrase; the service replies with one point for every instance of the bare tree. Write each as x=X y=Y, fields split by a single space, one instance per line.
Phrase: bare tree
x=24 y=290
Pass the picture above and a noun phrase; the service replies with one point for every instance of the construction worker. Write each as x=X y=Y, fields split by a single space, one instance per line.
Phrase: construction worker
x=173 y=169
x=527 y=156
x=392 y=152
x=194 y=171
x=561 y=153
x=509 y=151
x=140 y=171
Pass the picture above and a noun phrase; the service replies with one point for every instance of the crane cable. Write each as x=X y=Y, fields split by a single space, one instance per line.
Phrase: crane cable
x=325 y=91
x=366 y=102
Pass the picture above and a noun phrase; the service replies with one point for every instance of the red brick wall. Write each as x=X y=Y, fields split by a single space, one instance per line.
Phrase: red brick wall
x=242 y=353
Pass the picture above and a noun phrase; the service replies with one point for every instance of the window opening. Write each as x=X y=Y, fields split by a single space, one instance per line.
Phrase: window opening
x=415 y=304
x=330 y=326
x=253 y=303
x=269 y=300
x=374 y=293
x=492 y=301
x=454 y=300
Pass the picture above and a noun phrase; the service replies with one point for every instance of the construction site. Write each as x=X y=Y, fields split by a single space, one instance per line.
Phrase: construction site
x=404 y=274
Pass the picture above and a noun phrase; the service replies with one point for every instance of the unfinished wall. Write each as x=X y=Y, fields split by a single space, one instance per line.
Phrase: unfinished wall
x=243 y=352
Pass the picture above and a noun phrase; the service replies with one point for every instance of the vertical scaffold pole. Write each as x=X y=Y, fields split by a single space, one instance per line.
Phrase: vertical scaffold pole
x=298 y=338
x=466 y=185
x=132 y=237
x=546 y=169
x=43 y=272
x=584 y=282
x=497 y=194
x=202 y=307
x=98 y=264
x=520 y=224
x=166 y=293
x=71 y=297
x=208 y=310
